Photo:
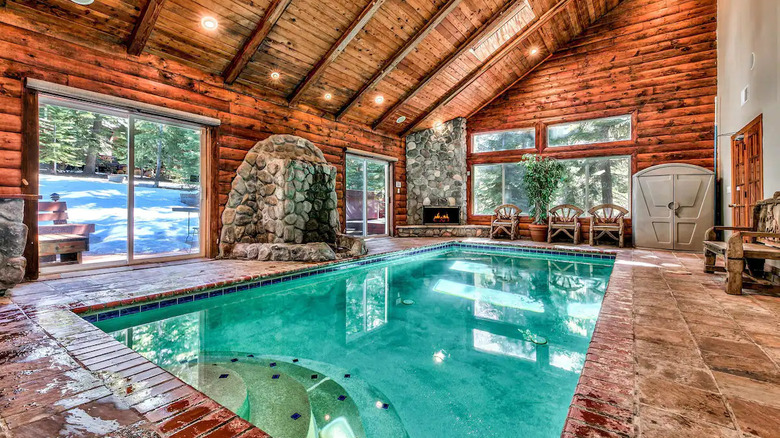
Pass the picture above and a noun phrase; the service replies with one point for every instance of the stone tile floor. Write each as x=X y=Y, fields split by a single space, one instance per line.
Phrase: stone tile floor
x=672 y=356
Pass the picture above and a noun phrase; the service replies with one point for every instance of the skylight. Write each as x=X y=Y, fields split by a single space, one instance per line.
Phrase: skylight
x=503 y=30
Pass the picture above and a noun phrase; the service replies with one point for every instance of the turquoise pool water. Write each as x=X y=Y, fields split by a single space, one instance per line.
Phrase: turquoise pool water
x=451 y=343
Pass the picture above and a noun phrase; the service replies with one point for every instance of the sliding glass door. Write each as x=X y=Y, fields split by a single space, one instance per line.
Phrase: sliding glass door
x=166 y=189
x=367 y=196
x=96 y=208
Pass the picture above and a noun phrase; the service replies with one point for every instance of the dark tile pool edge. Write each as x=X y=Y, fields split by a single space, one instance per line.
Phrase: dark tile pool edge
x=115 y=309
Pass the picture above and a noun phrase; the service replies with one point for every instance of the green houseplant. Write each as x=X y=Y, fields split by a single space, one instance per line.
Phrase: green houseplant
x=542 y=178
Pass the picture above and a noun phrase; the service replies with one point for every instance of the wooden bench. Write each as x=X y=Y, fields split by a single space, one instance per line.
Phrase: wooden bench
x=61 y=239
x=744 y=253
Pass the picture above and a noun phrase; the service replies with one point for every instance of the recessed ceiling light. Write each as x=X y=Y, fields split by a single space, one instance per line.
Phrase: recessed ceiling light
x=209 y=23
x=534 y=51
x=83 y=2
x=327 y=96
x=400 y=119
x=379 y=99
x=275 y=75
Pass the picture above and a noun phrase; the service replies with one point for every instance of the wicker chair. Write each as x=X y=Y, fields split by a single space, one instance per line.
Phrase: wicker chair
x=606 y=219
x=506 y=218
x=565 y=219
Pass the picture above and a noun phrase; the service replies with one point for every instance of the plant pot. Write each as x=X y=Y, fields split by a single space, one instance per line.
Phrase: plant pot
x=538 y=232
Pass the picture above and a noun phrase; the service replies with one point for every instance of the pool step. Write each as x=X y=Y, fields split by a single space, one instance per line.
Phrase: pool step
x=221 y=384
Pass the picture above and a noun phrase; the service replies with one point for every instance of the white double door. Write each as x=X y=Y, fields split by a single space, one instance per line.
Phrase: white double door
x=673 y=206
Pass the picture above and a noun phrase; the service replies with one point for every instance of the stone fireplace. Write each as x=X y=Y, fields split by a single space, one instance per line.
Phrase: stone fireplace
x=436 y=184
x=436 y=170
x=283 y=206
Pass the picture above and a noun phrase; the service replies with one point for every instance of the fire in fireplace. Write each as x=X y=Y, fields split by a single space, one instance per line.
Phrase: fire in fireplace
x=441 y=215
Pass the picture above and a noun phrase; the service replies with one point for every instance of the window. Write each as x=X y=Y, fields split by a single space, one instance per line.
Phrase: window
x=506 y=140
x=606 y=130
x=590 y=182
x=594 y=181
x=516 y=20
x=121 y=186
x=496 y=184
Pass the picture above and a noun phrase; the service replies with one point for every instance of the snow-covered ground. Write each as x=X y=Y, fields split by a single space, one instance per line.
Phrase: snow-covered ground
x=97 y=201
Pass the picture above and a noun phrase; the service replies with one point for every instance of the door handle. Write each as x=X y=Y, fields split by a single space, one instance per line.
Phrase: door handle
x=674 y=206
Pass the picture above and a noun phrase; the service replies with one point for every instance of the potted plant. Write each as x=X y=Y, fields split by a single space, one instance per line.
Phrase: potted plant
x=542 y=178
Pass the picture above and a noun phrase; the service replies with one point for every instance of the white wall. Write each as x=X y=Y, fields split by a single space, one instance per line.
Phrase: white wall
x=745 y=27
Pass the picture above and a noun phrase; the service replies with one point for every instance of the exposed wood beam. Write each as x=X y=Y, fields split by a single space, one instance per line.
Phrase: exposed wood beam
x=396 y=59
x=462 y=49
x=336 y=49
x=144 y=26
x=489 y=63
x=244 y=55
x=515 y=82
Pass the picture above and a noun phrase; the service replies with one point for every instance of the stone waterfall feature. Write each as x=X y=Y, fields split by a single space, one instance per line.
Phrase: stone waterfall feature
x=283 y=206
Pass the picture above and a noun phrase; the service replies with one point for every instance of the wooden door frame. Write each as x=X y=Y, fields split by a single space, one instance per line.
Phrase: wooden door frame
x=758 y=121
x=30 y=163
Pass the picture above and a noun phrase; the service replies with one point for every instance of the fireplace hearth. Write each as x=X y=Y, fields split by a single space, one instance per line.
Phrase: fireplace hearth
x=441 y=215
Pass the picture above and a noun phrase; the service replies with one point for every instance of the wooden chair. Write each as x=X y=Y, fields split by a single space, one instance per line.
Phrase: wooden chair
x=606 y=219
x=565 y=219
x=63 y=239
x=506 y=218
x=746 y=251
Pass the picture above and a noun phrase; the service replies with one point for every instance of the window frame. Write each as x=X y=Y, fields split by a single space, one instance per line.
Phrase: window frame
x=632 y=137
x=207 y=183
x=609 y=157
x=472 y=143
x=602 y=150
x=472 y=201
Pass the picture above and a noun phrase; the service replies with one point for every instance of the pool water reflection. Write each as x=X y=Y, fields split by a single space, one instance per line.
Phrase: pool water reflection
x=464 y=357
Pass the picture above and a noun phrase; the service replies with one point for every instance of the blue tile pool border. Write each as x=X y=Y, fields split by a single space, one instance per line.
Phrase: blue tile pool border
x=272 y=279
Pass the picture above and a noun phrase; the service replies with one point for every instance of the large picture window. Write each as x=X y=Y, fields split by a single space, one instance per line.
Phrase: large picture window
x=589 y=182
x=504 y=140
x=595 y=181
x=605 y=130
x=496 y=184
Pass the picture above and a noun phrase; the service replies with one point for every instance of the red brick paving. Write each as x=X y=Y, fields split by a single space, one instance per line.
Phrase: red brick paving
x=671 y=355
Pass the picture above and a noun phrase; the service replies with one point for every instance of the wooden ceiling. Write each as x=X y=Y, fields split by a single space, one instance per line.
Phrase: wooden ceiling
x=416 y=54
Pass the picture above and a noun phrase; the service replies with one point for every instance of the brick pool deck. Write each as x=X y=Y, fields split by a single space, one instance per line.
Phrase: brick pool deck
x=672 y=355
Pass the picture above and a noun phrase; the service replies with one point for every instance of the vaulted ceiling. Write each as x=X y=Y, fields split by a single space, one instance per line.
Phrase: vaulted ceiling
x=416 y=54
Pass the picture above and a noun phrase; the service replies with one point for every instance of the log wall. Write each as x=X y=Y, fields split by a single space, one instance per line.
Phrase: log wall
x=654 y=59
x=246 y=118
